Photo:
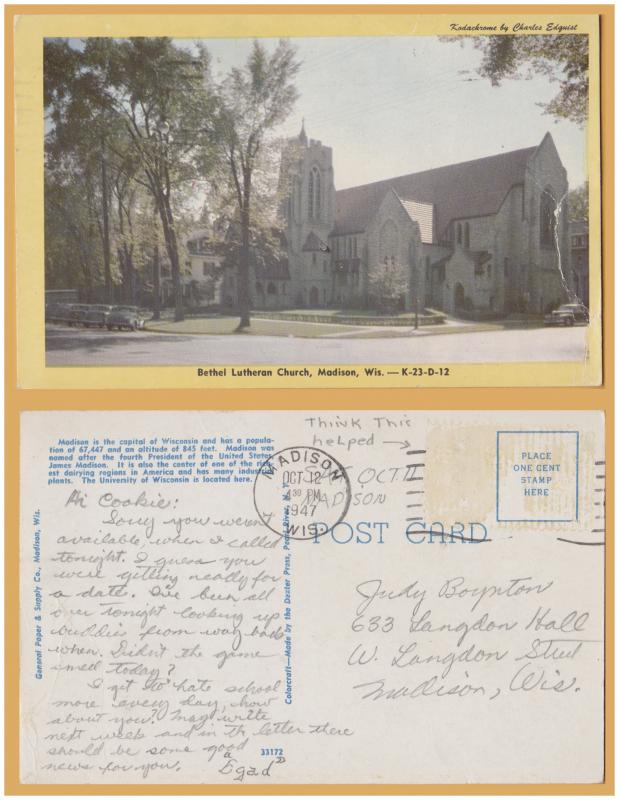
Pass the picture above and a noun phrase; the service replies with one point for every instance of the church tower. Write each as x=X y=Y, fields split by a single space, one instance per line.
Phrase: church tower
x=308 y=208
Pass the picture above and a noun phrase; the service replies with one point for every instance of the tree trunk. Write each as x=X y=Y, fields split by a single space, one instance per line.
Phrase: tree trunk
x=125 y=258
x=169 y=235
x=126 y=261
x=106 y=226
x=244 y=293
x=123 y=286
x=156 y=285
x=130 y=275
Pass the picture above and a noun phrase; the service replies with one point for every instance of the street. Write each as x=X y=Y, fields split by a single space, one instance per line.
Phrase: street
x=80 y=347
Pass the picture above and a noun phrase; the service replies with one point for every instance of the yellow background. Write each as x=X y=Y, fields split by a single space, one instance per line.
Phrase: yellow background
x=376 y=20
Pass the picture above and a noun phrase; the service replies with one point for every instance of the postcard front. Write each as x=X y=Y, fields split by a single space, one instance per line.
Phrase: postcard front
x=371 y=212
x=312 y=597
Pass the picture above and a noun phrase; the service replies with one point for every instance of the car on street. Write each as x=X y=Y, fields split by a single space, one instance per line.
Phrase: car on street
x=97 y=316
x=57 y=312
x=125 y=318
x=567 y=315
x=77 y=314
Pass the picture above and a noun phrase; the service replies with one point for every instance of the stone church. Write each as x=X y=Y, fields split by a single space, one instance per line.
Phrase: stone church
x=483 y=236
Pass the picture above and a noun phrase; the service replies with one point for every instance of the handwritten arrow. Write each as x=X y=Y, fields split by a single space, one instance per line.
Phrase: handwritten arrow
x=403 y=444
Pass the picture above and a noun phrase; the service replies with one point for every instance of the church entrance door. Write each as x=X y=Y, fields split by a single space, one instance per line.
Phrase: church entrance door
x=314 y=297
x=458 y=297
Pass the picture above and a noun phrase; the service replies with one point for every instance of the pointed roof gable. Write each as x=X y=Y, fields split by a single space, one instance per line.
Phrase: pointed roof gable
x=469 y=189
x=422 y=214
x=314 y=244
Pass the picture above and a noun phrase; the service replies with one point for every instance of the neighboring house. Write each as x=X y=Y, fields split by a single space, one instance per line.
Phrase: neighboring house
x=579 y=259
x=210 y=275
x=487 y=235
x=201 y=272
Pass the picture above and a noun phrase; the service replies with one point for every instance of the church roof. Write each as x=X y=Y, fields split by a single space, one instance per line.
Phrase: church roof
x=314 y=244
x=469 y=189
x=422 y=214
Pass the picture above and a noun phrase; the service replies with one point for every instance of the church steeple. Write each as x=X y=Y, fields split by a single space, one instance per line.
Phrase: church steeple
x=306 y=189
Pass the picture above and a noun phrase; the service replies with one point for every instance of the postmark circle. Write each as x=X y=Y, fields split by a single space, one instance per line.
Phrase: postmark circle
x=302 y=492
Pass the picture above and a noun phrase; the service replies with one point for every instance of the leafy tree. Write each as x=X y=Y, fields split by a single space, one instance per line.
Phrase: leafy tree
x=578 y=203
x=136 y=108
x=267 y=246
x=253 y=101
x=75 y=143
x=563 y=59
x=388 y=284
x=161 y=93
x=73 y=256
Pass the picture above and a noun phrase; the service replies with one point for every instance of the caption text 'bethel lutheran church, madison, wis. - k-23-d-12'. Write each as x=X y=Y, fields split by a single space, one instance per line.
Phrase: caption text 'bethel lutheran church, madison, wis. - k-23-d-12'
x=489 y=235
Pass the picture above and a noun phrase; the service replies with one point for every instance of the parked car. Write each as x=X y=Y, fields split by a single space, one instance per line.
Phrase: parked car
x=97 y=316
x=568 y=314
x=77 y=314
x=125 y=317
x=54 y=312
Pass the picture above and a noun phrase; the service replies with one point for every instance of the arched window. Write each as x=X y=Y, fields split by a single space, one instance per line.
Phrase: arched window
x=388 y=244
x=547 y=219
x=467 y=235
x=459 y=233
x=412 y=253
x=259 y=288
x=271 y=288
x=310 y=194
x=314 y=193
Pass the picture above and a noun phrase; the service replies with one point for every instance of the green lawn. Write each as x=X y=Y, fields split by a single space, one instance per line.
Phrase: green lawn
x=259 y=327
x=224 y=325
x=333 y=313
